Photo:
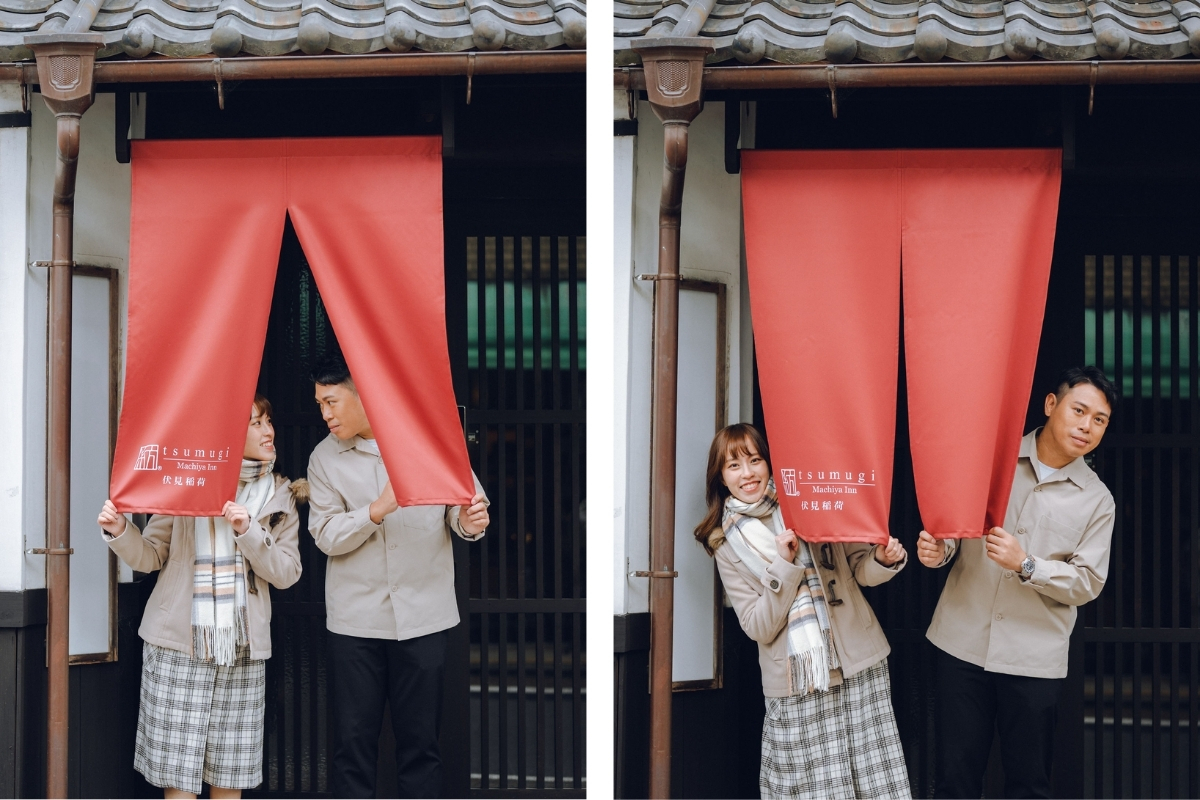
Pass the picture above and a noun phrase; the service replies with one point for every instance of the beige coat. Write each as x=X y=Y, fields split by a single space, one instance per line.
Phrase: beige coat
x=270 y=546
x=988 y=615
x=394 y=580
x=762 y=606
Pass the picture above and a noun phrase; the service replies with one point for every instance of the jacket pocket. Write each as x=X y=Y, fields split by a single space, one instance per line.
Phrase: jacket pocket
x=425 y=518
x=1055 y=540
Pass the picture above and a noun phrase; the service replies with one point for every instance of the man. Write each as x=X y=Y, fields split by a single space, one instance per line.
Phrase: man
x=389 y=598
x=1007 y=610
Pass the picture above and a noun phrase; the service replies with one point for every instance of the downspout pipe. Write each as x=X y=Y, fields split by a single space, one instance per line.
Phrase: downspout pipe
x=693 y=19
x=83 y=17
x=674 y=73
x=65 y=62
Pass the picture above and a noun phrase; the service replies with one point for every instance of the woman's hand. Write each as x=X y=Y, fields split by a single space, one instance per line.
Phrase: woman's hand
x=237 y=516
x=786 y=544
x=930 y=551
x=889 y=554
x=111 y=521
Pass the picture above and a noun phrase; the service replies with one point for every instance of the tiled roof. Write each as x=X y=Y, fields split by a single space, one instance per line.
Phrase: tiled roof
x=881 y=31
x=182 y=28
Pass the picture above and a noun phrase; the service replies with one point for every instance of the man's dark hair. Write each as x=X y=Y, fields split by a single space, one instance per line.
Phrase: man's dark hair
x=333 y=372
x=1070 y=378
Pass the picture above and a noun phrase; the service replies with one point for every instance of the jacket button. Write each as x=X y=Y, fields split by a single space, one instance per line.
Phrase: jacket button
x=267 y=540
x=392 y=546
x=1008 y=573
x=393 y=588
x=1020 y=530
x=1037 y=488
x=774 y=584
x=998 y=616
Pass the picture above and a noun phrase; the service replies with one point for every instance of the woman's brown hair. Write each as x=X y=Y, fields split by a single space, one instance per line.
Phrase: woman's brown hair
x=734 y=440
x=263 y=406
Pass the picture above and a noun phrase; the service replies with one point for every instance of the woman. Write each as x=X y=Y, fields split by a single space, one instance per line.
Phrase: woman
x=829 y=730
x=203 y=661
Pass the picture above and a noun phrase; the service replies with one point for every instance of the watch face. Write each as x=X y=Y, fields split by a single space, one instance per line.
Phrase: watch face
x=1028 y=565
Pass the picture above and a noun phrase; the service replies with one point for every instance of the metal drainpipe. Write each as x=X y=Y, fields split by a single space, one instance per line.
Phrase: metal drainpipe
x=65 y=62
x=693 y=19
x=674 y=75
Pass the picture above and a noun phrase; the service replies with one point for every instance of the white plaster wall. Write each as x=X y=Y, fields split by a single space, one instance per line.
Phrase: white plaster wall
x=625 y=150
x=102 y=239
x=710 y=250
x=14 y=173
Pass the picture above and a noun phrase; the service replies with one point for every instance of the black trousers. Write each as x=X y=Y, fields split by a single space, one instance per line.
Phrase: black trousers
x=364 y=674
x=972 y=706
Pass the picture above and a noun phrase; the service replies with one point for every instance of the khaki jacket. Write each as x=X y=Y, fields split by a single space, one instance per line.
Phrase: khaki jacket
x=988 y=616
x=270 y=546
x=762 y=607
x=389 y=581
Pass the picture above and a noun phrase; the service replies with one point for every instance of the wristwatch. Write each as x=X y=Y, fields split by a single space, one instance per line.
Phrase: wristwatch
x=1027 y=567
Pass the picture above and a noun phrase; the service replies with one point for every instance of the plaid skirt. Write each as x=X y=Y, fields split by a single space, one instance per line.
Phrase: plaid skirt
x=842 y=743
x=200 y=723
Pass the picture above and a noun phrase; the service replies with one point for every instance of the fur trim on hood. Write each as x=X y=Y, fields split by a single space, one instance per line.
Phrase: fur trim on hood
x=300 y=491
x=299 y=488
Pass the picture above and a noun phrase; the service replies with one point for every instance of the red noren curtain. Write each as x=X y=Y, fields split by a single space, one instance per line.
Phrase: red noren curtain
x=826 y=234
x=207 y=222
x=823 y=253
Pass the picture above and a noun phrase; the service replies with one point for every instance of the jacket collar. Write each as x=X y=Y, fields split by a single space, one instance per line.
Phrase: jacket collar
x=1078 y=472
x=349 y=444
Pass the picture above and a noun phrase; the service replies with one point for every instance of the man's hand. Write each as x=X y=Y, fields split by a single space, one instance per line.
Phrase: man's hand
x=1002 y=548
x=930 y=551
x=237 y=516
x=111 y=521
x=889 y=554
x=385 y=505
x=474 y=518
x=786 y=544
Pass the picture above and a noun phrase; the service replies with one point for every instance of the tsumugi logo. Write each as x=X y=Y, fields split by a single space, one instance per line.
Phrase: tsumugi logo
x=148 y=458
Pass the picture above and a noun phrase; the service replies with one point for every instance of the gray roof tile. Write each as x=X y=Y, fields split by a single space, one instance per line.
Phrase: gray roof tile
x=882 y=31
x=182 y=28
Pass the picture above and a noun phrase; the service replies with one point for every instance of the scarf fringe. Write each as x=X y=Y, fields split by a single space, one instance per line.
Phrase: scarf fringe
x=221 y=645
x=804 y=677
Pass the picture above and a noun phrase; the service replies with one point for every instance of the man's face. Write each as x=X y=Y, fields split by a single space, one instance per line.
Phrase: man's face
x=342 y=410
x=1077 y=422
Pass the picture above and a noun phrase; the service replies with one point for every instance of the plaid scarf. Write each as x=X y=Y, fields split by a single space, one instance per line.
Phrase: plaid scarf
x=811 y=656
x=219 y=622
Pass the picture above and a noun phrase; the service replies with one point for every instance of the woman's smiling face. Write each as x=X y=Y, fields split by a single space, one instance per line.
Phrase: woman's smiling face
x=745 y=474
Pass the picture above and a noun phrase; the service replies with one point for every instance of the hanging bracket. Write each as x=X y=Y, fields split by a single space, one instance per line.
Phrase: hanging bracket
x=1095 y=71
x=220 y=83
x=831 y=76
x=470 y=74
